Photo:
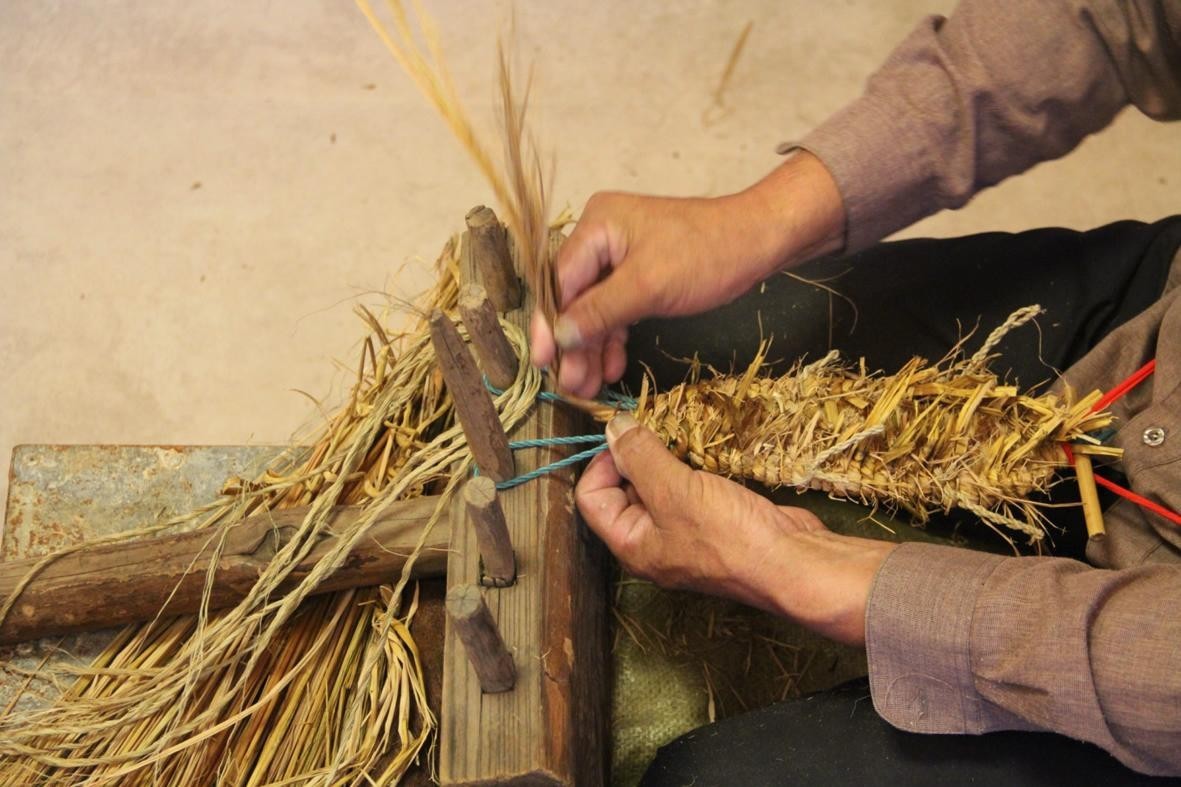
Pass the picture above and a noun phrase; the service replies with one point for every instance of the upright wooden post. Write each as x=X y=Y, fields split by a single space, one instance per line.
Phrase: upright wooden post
x=492 y=538
x=481 y=639
x=551 y=729
x=473 y=404
x=489 y=249
x=483 y=328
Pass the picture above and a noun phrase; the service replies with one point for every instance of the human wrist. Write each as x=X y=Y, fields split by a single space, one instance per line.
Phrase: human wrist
x=795 y=213
x=822 y=580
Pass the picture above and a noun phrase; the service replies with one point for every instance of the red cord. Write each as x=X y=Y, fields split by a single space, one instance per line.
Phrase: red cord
x=1135 y=379
x=1143 y=502
x=1115 y=393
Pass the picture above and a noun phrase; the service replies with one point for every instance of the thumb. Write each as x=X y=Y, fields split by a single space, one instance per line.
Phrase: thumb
x=615 y=302
x=642 y=458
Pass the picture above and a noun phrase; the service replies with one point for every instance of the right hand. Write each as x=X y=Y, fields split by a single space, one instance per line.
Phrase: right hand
x=685 y=528
x=631 y=257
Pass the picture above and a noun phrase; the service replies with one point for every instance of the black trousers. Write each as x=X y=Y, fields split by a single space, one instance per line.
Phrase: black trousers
x=913 y=297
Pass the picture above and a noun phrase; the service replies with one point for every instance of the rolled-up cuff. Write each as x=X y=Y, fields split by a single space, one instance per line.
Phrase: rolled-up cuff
x=918 y=629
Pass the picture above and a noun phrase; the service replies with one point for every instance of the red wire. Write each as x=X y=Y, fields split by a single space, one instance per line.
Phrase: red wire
x=1143 y=502
x=1135 y=379
x=1115 y=393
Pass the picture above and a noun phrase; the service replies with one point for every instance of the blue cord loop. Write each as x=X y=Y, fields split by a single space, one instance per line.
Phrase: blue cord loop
x=611 y=398
x=573 y=459
x=599 y=440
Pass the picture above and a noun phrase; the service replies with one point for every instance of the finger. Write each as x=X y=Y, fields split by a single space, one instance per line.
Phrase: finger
x=542 y=349
x=615 y=356
x=598 y=494
x=600 y=472
x=607 y=507
x=583 y=257
x=642 y=458
x=615 y=302
x=592 y=380
x=572 y=372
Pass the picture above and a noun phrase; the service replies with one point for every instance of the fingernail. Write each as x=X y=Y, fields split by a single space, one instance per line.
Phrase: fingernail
x=566 y=334
x=620 y=425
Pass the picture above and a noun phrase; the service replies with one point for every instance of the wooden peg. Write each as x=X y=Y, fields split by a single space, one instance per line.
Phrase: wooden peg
x=492 y=538
x=489 y=249
x=481 y=639
x=1089 y=495
x=473 y=405
x=483 y=328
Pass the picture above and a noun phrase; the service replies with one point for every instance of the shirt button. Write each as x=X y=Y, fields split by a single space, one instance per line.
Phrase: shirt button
x=1154 y=436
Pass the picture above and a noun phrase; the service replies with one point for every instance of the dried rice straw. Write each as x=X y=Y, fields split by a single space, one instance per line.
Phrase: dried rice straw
x=927 y=438
x=283 y=689
x=278 y=689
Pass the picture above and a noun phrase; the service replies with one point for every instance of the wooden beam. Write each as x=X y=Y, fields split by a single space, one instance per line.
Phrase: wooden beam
x=488 y=243
x=473 y=623
x=552 y=727
x=496 y=355
x=492 y=538
x=114 y=584
x=473 y=404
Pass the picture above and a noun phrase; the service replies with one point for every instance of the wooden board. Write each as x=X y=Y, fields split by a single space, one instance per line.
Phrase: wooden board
x=551 y=728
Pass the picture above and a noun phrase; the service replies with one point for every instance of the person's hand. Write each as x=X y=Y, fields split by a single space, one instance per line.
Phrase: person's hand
x=631 y=257
x=688 y=529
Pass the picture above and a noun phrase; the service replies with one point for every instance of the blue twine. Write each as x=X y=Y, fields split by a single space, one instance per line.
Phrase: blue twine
x=573 y=459
x=610 y=398
x=545 y=442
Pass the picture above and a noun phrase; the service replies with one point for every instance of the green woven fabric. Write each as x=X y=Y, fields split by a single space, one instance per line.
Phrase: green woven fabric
x=682 y=660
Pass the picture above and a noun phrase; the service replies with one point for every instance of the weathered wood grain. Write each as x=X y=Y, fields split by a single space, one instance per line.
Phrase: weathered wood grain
x=488 y=243
x=496 y=355
x=551 y=728
x=469 y=616
x=473 y=404
x=113 y=584
x=486 y=517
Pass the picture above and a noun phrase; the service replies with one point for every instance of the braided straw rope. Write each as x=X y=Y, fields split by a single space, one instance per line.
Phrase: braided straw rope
x=927 y=438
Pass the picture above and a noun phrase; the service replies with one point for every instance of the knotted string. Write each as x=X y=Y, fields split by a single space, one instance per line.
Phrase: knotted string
x=610 y=398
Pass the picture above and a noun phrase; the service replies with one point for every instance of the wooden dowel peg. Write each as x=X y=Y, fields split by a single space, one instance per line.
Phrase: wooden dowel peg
x=481 y=639
x=473 y=404
x=1092 y=512
x=492 y=537
x=489 y=249
x=483 y=328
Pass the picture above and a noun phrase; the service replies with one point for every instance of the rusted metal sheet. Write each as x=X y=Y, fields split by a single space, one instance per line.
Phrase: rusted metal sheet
x=60 y=495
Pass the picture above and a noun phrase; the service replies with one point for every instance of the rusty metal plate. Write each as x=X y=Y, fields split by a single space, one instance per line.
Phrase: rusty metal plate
x=60 y=495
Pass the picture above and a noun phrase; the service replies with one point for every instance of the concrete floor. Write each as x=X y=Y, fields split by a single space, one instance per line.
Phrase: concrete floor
x=192 y=194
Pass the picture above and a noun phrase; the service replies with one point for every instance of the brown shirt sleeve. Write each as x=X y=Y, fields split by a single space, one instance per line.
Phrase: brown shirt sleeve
x=965 y=642
x=967 y=101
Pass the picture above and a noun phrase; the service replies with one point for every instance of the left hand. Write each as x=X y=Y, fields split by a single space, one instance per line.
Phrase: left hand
x=686 y=528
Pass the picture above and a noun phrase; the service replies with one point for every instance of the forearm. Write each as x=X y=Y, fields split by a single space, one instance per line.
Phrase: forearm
x=821 y=580
x=801 y=215
x=963 y=642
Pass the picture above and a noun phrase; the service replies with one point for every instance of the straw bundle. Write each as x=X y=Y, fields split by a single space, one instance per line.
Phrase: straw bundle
x=278 y=689
x=283 y=689
x=927 y=438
